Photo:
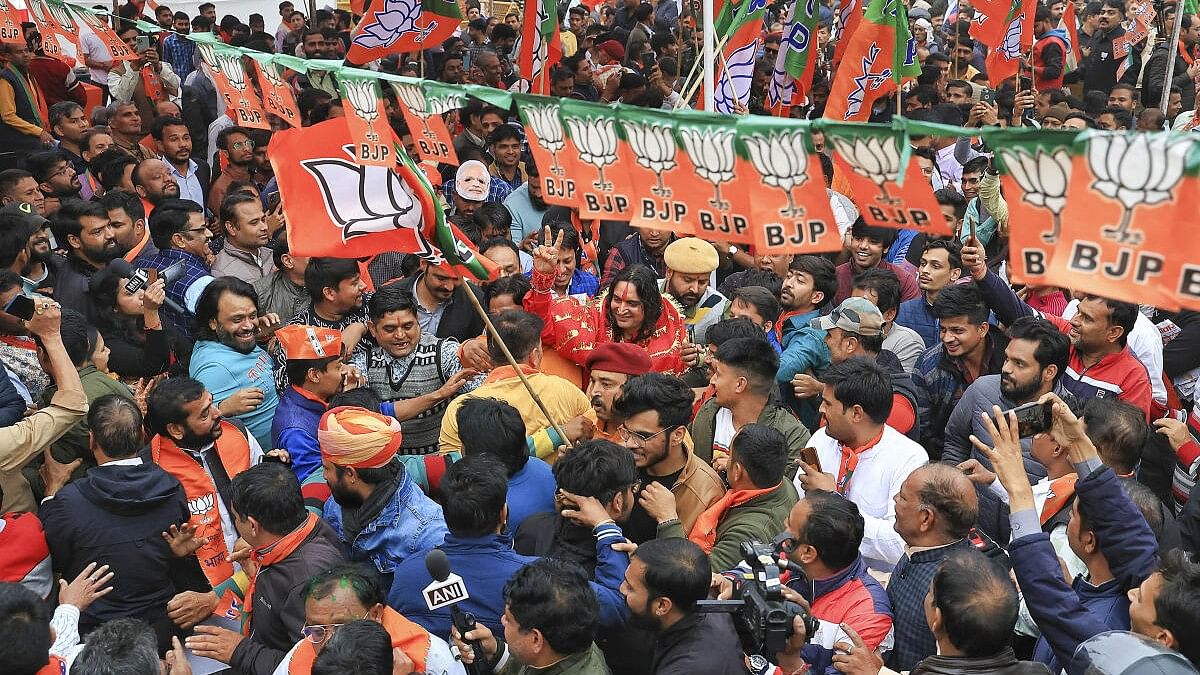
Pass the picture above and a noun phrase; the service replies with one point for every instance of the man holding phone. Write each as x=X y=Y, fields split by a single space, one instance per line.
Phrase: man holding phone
x=145 y=81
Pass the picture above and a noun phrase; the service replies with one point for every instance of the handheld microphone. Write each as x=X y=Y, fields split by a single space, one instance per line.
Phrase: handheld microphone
x=447 y=590
x=123 y=268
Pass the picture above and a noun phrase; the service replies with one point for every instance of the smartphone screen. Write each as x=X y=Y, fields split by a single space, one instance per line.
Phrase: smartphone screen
x=1032 y=418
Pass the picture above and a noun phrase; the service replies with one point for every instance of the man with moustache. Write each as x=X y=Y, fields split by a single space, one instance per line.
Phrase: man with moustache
x=174 y=143
x=238 y=148
x=609 y=367
x=227 y=358
x=125 y=127
x=83 y=228
x=690 y=263
x=245 y=254
x=153 y=183
x=178 y=231
x=128 y=219
x=55 y=174
x=41 y=267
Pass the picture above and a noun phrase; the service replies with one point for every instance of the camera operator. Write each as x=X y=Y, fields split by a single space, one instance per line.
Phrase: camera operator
x=823 y=535
x=665 y=580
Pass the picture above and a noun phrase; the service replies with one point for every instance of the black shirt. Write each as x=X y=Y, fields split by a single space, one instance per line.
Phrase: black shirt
x=641 y=527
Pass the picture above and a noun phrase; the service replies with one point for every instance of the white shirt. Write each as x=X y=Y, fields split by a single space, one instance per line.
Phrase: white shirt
x=95 y=49
x=227 y=529
x=724 y=432
x=189 y=185
x=1146 y=343
x=880 y=473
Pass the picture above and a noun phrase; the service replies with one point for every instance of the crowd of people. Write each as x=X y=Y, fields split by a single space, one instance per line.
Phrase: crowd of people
x=218 y=455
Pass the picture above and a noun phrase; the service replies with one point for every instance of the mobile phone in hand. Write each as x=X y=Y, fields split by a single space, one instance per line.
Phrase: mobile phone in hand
x=21 y=306
x=1033 y=418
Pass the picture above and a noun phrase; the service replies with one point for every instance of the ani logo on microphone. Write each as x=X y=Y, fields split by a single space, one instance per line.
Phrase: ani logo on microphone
x=445 y=593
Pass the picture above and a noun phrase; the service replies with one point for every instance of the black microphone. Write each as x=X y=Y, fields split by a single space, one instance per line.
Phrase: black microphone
x=123 y=268
x=447 y=590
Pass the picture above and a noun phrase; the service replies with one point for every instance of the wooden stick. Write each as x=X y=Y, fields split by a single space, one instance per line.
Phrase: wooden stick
x=491 y=329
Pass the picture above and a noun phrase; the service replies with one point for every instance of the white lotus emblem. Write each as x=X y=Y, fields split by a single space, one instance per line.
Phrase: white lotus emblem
x=711 y=152
x=209 y=56
x=1043 y=176
x=231 y=68
x=368 y=199
x=440 y=105
x=413 y=98
x=733 y=87
x=365 y=100
x=782 y=159
x=389 y=25
x=1136 y=169
x=548 y=129
x=654 y=148
x=876 y=158
x=199 y=506
x=596 y=139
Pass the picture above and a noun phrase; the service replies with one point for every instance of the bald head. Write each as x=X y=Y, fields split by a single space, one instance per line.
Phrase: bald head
x=950 y=495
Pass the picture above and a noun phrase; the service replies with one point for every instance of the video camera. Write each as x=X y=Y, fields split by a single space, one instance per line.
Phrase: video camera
x=764 y=618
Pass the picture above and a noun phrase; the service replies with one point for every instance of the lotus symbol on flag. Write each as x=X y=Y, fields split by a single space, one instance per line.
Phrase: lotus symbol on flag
x=368 y=199
x=361 y=92
x=1011 y=46
x=549 y=131
x=1136 y=169
x=231 y=68
x=782 y=159
x=209 y=56
x=413 y=97
x=733 y=88
x=711 y=152
x=876 y=158
x=397 y=18
x=270 y=75
x=440 y=105
x=596 y=139
x=1043 y=176
x=654 y=149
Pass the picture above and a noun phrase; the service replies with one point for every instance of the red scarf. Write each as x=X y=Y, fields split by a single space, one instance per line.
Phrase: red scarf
x=704 y=532
x=783 y=319
x=850 y=462
x=271 y=554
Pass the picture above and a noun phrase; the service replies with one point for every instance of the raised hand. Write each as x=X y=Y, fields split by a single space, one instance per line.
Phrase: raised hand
x=546 y=256
x=1005 y=456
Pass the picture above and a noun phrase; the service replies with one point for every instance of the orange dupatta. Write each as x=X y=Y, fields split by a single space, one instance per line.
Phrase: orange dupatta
x=704 y=532
x=271 y=554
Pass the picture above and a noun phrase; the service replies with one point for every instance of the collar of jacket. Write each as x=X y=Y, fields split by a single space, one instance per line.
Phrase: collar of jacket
x=819 y=587
x=395 y=509
x=1005 y=658
x=994 y=344
x=497 y=542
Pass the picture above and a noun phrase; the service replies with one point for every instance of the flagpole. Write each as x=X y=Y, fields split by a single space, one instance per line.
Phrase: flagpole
x=710 y=73
x=492 y=334
x=1172 y=49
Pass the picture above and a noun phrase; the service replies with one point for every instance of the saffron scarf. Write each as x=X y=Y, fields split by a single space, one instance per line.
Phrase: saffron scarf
x=271 y=554
x=704 y=532
x=849 y=463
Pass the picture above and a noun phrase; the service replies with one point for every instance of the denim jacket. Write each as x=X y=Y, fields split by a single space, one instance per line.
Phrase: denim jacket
x=409 y=524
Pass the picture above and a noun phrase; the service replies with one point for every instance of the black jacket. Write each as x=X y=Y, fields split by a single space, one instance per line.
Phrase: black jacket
x=1156 y=71
x=1098 y=71
x=699 y=644
x=1003 y=663
x=459 y=319
x=278 y=612
x=71 y=289
x=115 y=516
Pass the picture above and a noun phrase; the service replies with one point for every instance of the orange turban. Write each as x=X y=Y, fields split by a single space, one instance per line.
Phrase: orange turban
x=357 y=437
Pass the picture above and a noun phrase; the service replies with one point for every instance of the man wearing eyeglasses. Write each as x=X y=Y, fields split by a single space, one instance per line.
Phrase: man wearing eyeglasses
x=348 y=593
x=238 y=148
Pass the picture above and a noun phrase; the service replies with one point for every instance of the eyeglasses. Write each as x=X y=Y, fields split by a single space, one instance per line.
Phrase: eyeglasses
x=628 y=434
x=320 y=632
x=242 y=145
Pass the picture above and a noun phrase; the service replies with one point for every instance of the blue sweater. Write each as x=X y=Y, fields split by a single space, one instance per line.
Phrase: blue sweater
x=295 y=430
x=224 y=370
x=530 y=491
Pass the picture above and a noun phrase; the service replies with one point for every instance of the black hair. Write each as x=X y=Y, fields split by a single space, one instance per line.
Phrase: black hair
x=764 y=302
x=645 y=282
x=755 y=358
x=504 y=132
x=116 y=426
x=1119 y=431
x=360 y=647
x=951 y=197
x=977 y=601
x=170 y=218
x=387 y=299
x=554 y=598
x=834 y=527
x=489 y=426
x=78 y=336
x=518 y=329
x=270 y=494
x=117 y=647
x=516 y=285
x=596 y=468
x=952 y=247
x=860 y=228
x=123 y=200
x=297 y=369
x=223 y=136
x=860 y=381
x=570 y=237
x=1121 y=117
x=474 y=491
x=494 y=215
x=363 y=580
x=9 y=179
x=976 y=165
x=208 y=306
x=731 y=329
x=359 y=397
x=1123 y=314
x=503 y=31
x=501 y=242
x=66 y=221
x=62 y=110
x=160 y=125
x=762 y=451
x=1053 y=348
x=165 y=402
x=323 y=273
x=676 y=569
x=884 y=283
x=666 y=394
x=823 y=273
x=231 y=202
x=924 y=94
x=1177 y=607
x=24 y=630
x=15 y=232
x=41 y=164
x=961 y=300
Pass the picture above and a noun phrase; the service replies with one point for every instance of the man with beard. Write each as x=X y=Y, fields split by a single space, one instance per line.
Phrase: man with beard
x=84 y=229
x=1035 y=359
x=808 y=288
x=646 y=247
x=378 y=512
x=690 y=263
x=153 y=183
x=526 y=205
x=415 y=373
x=192 y=441
x=39 y=266
x=316 y=365
x=128 y=219
x=125 y=127
x=1098 y=70
x=227 y=358
x=245 y=254
x=441 y=302
x=175 y=145
x=18 y=186
x=237 y=147
x=570 y=279
x=21 y=100
x=609 y=367
x=178 y=231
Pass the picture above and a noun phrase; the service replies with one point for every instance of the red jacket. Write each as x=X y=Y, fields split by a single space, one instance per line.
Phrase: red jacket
x=56 y=80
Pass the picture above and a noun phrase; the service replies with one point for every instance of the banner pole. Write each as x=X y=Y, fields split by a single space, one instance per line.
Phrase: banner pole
x=1172 y=49
x=491 y=329
x=710 y=73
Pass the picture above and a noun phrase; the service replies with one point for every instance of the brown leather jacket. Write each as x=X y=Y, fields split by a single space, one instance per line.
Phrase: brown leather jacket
x=698 y=487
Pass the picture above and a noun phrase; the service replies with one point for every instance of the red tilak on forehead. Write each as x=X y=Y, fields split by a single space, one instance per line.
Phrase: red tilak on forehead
x=627 y=294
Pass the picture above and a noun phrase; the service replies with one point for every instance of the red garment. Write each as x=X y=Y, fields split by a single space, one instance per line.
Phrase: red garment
x=1053 y=302
x=52 y=77
x=23 y=550
x=574 y=329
